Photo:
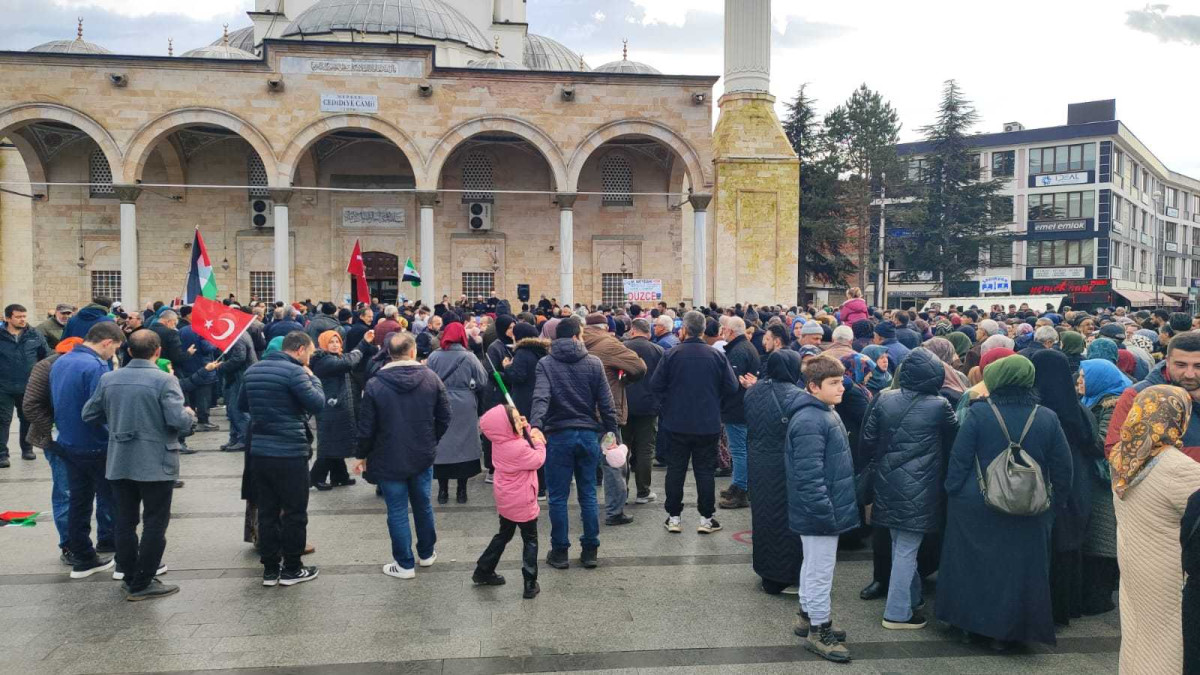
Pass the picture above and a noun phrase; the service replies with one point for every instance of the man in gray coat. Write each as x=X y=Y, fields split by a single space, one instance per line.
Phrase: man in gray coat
x=143 y=409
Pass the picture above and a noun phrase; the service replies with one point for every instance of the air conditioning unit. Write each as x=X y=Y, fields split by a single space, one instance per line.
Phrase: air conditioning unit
x=1013 y=126
x=479 y=216
x=262 y=213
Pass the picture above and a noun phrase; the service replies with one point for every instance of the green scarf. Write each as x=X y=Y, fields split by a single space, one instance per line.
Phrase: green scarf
x=1010 y=371
x=1072 y=343
x=962 y=343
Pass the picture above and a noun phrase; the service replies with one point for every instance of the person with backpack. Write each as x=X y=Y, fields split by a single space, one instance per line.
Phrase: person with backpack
x=994 y=578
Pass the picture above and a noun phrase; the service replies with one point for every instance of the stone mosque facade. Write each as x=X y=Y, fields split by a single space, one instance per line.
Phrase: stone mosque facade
x=441 y=131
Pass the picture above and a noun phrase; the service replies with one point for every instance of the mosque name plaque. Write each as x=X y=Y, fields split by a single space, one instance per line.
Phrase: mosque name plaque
x=362 y=103
x=355 y=67
x=374 y=217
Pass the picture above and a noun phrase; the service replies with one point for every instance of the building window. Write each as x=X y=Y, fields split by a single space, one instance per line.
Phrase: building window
x=1171 y=197
x=917 y=169
x=1004 y=164
x=612 y=287
x=100 y=176
x=1062 y=205
x=1060 y=158
x=106 y=284
x=1171 y=236
x=1001 y=209
x=1000 y=255
x=1145 y=180
x=478 y=284
x=1195 y=269
x=973 y=168
x=1115 y=254
x=262 y=286
x=1059 y=252
x=1169 y=268
x=617 y=178
x=1117 y=206
x=477 y=178
x=256 y=175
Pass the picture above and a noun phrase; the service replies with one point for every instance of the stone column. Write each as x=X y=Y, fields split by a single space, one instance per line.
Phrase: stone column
x=699 y=201
x=747 y=46
x=283 y=258
x=427 y=200
x=128 y=194
x=566 y=247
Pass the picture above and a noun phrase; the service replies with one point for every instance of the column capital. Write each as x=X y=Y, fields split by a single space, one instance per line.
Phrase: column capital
x=427 y=198
x=128 y=194
x=566 y=200
x=281 y=195
x=700 y=200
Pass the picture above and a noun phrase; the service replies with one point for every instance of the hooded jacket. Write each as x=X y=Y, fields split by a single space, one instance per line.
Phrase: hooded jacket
x=521 y=374
x=854 y=309
x=908 y=434
x=570 y=388
x=405 y=412
x=84 y=319
x=515 y=483
x=622 y=365
x=18 y=353
x=821 y=497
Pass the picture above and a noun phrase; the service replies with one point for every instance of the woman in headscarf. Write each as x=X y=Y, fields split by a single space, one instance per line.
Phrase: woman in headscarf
x=459 y=450
x=1103 y=348
x=1142 y=349
x=1126 y=362
x=955 y=383
x=1100 y=385
x=1056 y=391
x=770 y=403
x=880 y=379
x=864 y=333
x=962 y=345
x=1071 y=344
x=994 y=575
x=1152 y=481
x=337 y=438
x=1024 y=337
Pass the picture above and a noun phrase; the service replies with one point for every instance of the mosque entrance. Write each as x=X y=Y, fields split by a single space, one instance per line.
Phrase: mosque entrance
x=383 y=275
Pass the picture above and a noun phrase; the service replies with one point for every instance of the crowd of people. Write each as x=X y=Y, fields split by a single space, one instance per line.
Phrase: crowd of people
x=1038 y=460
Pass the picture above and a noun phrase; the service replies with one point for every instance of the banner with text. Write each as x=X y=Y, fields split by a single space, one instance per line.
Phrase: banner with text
x=642 y=290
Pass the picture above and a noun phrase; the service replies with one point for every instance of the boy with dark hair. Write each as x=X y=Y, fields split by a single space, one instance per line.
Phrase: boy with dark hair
x=822 y=502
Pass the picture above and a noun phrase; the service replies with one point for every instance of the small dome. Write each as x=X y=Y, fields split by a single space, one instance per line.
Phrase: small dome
x=242 y=38
x=76 y=46
x=222 y=51
x=432 y=19
x=627 y=67
x=495 y=62
x=542 y=53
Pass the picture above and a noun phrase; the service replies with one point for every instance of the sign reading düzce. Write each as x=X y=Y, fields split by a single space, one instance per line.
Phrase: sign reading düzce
x=642 y=290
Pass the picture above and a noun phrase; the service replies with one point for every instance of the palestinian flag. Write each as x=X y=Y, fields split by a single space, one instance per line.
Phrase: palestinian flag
x=19 y=518
x=411 y=274
x=200 y=281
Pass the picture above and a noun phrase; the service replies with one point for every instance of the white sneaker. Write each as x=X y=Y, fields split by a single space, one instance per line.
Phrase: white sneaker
x=791 y=590
x=646 y=500
x=427 y=562
x=673 y=525
x=708 y=526
x=489 y=479
x=118 y=575
x=393 y=570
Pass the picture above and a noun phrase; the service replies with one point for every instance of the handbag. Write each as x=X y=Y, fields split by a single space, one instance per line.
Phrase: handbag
x=1013 y=483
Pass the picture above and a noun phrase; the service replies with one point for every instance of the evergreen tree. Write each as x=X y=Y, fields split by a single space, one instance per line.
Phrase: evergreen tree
x=822 y=237
x=949 y=219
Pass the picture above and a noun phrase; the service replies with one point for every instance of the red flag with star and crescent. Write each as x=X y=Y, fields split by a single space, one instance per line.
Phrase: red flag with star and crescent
x=358 y=270
x=219 y=324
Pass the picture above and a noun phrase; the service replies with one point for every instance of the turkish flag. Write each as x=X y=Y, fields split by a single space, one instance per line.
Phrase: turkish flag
x=358 y=270
x=219 y=324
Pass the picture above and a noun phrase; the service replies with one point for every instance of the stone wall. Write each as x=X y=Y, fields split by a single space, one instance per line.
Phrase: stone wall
x=16 y=236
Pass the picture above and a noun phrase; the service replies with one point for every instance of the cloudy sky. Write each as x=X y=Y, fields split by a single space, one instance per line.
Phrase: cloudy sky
x=1019 y=60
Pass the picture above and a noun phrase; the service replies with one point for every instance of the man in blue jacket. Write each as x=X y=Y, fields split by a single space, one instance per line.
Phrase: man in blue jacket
x=91 y=314
x=21 y=346
x=84 y=446
x=280 y=392
x=570 y=389
x=691 y=382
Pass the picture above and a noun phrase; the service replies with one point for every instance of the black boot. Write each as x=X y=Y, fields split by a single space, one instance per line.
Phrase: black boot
x=485 y=579
x=588 y=557
x=461 y=493
x=558 y=559
x=443 y=491
x=872 y=591
x=531 y=589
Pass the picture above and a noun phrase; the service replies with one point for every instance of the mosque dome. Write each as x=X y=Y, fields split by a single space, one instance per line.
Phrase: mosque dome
x=242 y=38
x=431 y=19
x=625 y=66
x=222 y=49
x=542 y=53
x=76 y=46
x=495 y=62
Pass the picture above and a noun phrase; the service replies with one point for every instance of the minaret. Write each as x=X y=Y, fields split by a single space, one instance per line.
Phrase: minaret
x=755 y=238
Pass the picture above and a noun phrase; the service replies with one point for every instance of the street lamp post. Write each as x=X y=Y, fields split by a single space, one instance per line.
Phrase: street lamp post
x=1158 y=263
x=880 y=290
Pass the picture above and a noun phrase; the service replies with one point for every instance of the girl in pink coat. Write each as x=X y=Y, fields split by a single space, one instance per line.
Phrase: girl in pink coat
x=518 y=451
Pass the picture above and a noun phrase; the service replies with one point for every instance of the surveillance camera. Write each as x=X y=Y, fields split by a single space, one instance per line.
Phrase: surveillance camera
x=118 y=79
x=699 y=98
x=551 y=247
x=275 y=84
x=568 y=94
x=425 y=89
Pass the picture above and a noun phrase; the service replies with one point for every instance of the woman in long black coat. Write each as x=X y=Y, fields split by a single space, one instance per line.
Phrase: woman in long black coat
x=994 y=579
x=336 y=423
x=770 y=404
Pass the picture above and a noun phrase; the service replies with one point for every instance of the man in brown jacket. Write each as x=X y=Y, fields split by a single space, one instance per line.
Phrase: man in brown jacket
x=621 y=366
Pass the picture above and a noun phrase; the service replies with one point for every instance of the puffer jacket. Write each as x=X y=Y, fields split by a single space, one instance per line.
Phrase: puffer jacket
x=820 y=472
x=909 y=434
x=622 y=365
x=18 y=353
x=521 y=374
x=36 y=403
x=279 y=396
x=516 y=460
x=570 y=389
x=854 y=309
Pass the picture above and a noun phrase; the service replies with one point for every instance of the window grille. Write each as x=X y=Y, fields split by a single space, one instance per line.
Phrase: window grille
x=617 y=179
x=100 y=176
x=256 y=175
x=106 y=284
x=262 y=286
x=612 y=287
x=477 y=178
x=478 y=284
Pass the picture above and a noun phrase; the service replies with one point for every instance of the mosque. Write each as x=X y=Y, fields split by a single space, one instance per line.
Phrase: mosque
x=440 y=131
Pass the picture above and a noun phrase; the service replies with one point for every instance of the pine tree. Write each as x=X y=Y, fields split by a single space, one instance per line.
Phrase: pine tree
x=822 y=236
x=949 y=219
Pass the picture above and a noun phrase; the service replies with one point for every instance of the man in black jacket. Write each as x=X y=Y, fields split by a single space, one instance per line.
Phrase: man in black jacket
x=280 y=392
x=168 y=335
x=570 y=389
x=743 y=358
x=691 y=382
x=397 y=443
x=641 y=427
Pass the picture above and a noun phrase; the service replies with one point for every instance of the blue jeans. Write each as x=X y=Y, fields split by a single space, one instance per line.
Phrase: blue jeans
x=238 y=420
x=60 y=496
x=86 y=482
x=575 y=452
x=616 y=485
x=904 y=589
x=398 y=494
x=737 y=451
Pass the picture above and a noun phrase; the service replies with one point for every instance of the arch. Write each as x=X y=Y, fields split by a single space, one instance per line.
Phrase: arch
x=148 y=137
x=310 y=134
x=172 y=160
x=494 y=123
x=19 y=115
x=692 y=160
x=33 y=163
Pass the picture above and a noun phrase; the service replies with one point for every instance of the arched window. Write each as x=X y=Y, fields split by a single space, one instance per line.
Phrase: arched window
x=100 y=175
x=616 y=176
x=256 y=175
x=477 y=178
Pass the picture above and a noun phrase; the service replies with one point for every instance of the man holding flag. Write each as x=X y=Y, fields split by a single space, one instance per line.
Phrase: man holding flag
x=225 y=327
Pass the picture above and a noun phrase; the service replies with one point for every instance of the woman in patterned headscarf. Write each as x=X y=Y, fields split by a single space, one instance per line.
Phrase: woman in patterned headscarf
x=1152 y=480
